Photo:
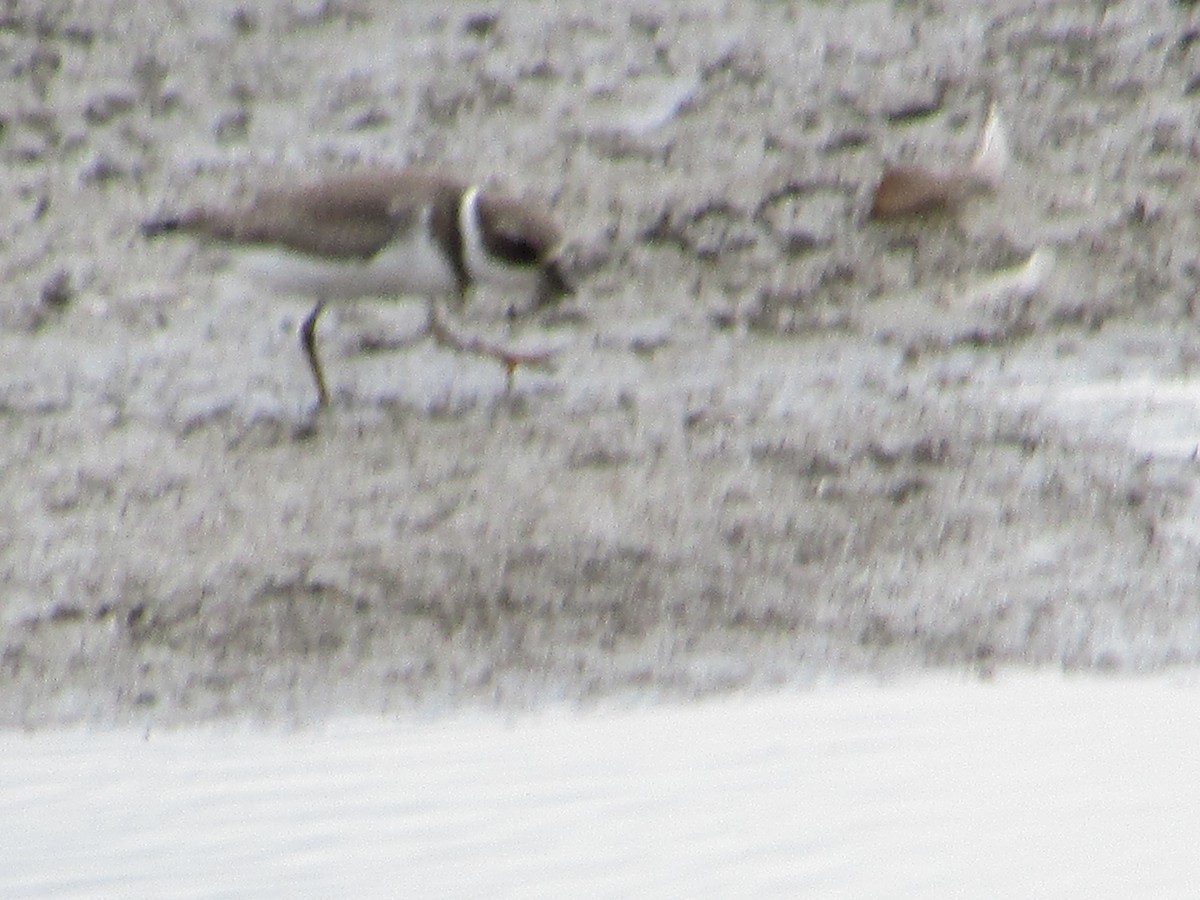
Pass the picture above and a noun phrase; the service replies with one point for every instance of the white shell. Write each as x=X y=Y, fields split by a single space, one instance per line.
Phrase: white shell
x=992 y=154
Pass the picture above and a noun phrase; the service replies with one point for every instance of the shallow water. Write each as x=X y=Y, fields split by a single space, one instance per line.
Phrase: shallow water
x=1025 y=786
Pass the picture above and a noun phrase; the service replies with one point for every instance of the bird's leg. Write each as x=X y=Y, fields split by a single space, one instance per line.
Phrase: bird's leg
x=510 y=359
x=308 y=339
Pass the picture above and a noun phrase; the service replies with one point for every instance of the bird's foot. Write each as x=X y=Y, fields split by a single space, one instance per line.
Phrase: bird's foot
x=511 y=359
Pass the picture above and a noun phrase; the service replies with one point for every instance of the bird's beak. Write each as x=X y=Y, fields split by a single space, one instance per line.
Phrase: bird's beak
x=553 y=285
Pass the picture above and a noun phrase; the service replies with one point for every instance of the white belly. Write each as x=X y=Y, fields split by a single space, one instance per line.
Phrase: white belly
x=413 y=265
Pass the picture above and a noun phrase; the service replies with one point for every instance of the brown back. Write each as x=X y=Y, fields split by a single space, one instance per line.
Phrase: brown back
x=346 y=216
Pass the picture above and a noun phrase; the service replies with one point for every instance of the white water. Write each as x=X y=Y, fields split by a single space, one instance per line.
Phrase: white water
x=1027 y=786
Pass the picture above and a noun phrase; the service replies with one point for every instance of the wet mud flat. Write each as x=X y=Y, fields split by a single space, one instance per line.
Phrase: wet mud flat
x=780 y=443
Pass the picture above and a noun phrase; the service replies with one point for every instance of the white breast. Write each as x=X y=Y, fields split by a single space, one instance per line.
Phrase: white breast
x=412 y=265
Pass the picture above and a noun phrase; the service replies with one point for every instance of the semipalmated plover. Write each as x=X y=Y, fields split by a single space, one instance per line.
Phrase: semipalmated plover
x=385 y=233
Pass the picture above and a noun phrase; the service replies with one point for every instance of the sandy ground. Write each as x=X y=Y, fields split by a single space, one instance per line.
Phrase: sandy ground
x=779 y=444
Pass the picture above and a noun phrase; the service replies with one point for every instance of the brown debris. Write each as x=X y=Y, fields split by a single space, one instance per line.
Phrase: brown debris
x=912 y=190
x=918 y=190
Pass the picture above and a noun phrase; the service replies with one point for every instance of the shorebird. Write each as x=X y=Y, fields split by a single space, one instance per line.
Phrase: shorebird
x=386 y=233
